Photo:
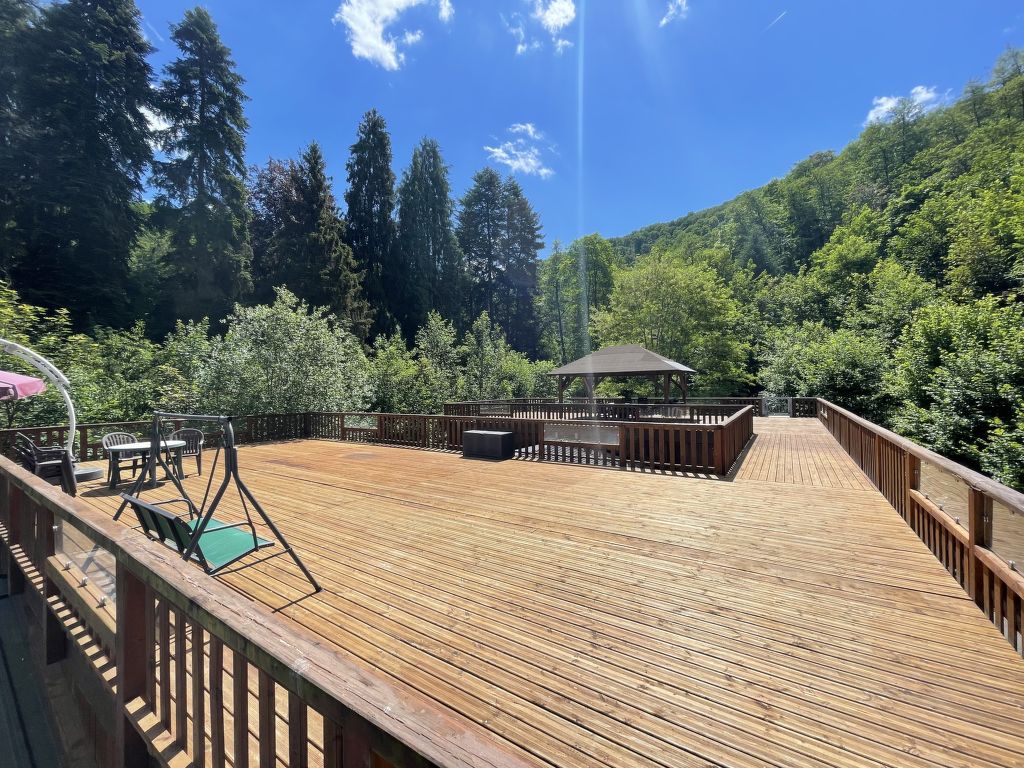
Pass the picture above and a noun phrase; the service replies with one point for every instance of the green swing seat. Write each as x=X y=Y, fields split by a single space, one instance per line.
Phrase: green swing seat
x=220 y=545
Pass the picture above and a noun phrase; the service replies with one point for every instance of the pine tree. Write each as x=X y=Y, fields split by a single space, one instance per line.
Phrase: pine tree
x=328 y=274
x=202 y=191
x=481 y=232
x=77 y=92
x=431 y=264
x=518 y=281
x=370 y=199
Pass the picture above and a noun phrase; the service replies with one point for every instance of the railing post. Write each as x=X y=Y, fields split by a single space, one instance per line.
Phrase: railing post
x=131 y=656
x=978 y=518
x=716 y=435
x=911 y=472
x=307 y=425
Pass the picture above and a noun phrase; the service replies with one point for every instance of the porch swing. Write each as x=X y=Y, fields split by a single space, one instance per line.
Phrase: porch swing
x=202 y=538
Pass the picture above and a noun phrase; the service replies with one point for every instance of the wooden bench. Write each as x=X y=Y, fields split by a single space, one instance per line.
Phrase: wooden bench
x=220 y=545
x=488 y=444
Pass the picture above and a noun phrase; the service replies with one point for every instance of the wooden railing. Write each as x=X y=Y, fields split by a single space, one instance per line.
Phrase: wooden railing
x=519 y=405
x=711 y=447
x=248 y=429
x=695 y=412
x=971 y=523
x=179 y=669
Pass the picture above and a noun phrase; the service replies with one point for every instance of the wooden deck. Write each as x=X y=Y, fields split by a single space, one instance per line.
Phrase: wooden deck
x=597 y=617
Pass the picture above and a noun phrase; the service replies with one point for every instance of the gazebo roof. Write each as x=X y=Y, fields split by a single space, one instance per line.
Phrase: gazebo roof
x=625 y=360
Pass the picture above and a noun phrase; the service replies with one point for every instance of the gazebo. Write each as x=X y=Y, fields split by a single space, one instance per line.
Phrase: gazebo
x=625 y=361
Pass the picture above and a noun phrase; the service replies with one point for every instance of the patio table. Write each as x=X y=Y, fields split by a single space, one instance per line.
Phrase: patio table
x=142 y=448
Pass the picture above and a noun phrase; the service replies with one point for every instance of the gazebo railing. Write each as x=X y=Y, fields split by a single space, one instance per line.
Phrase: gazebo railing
x=710 y=413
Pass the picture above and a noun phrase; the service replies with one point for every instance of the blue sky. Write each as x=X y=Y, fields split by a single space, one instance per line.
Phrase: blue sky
x=613 y=114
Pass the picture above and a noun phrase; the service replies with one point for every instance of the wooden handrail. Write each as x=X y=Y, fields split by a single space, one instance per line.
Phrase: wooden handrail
x=892 y=463
x=331 y=683
x=992 y=488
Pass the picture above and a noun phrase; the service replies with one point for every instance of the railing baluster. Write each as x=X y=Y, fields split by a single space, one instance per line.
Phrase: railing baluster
x=149 y=620
x=198 y=698
x=164 y=621
x=298 y=739
x=216 y=702
x=267 y=732
x=240 y=705
x=332 y=743
x=180 y=689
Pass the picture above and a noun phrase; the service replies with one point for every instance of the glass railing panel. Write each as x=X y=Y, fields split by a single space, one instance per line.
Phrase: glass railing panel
x=88 y=559
x=1008 y=533
x=946 y=491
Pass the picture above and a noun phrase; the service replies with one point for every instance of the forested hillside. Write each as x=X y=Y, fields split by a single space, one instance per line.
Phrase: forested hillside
x=886 y=277
x=140 y=251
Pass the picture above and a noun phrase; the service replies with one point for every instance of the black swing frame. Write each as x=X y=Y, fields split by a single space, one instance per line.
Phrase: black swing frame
x=204 y=513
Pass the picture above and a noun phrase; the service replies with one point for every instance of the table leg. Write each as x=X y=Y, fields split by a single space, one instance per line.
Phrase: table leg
x=179 y=464
x=115 y=472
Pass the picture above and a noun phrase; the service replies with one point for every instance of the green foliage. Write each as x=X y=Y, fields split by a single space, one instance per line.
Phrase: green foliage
x=844 y=366
x=440 y=363
x=958 y=374
x=394 y=376
x=285 y=357
x=683 y=311
x=493 y=370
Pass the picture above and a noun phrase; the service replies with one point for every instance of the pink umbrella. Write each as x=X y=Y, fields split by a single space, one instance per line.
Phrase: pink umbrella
x=14 y=386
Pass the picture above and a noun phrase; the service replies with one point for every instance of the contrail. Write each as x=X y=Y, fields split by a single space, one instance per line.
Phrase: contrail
x=777 y=20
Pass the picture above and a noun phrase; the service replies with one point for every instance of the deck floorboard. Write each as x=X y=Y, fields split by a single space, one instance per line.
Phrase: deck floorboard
x=585 y=616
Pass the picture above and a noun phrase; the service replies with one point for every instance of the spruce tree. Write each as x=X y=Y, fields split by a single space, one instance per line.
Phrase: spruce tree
x=326 y=267
x=76 y=94
x=370 y=199
x=481 y=234
x=270 y=197
x=430 y=261
x=518 y=276
x=202 y=191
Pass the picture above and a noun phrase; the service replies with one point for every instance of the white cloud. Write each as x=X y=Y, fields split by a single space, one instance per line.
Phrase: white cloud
x=516 y=27
x=554 y=15
x=528 y=128
x=522 y=155
x=367 y=22
x=922 y=96
x=677 y=9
